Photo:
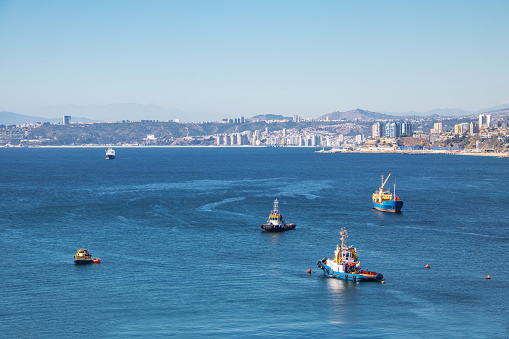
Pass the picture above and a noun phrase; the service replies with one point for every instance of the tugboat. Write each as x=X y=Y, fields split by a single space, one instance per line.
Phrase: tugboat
x=82 y=257
x=383 y=200
x=345 y=264
x=110 y=154
x=276 y=222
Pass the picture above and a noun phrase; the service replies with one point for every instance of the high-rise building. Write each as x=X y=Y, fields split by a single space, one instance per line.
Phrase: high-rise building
x=67 y=119
x=406 y=129
x=474 y=127
x=394 y=129
x=484 y=120
x=461 y=128
x=438 y=127
x=376 y=130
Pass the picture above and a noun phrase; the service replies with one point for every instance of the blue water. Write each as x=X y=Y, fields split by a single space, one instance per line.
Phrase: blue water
x=183 y=255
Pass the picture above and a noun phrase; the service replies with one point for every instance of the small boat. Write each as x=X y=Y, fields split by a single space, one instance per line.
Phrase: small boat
x=385 y=200
x=323 y=151
x=345 y=264
x=276 y=222
x=110 y=154
x=82 y=257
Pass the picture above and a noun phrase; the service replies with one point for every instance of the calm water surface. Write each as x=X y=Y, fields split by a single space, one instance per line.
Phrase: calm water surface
x=183 y=255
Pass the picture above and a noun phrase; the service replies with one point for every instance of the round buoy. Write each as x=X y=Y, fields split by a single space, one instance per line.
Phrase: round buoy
x=309 y=271
x=488 y=277
x=427 y=265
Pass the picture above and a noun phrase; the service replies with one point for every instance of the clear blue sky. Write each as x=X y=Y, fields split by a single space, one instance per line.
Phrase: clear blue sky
x=240 y=57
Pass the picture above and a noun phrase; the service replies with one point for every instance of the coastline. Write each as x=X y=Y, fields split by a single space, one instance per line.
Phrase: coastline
x=403 y=152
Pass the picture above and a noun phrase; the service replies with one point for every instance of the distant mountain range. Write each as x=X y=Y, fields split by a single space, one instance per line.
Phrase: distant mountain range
x=9 y=118
x=359 y=114
x=136 y=112
x=115 y=112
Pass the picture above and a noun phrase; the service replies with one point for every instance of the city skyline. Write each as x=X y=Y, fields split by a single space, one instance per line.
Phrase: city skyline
x=213 y=60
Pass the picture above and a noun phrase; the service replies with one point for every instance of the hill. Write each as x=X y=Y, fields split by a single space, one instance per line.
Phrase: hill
x=10 y=118
x=263 y=117
x=357 y=114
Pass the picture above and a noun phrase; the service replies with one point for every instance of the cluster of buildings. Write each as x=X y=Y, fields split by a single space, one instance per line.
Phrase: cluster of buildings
x=397 y=129
x=240 y=120
x=474 y=126
x=391 y=129
x=292 y=137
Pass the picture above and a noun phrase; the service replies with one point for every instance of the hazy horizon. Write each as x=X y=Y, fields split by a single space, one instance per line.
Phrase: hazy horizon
x=200 y=60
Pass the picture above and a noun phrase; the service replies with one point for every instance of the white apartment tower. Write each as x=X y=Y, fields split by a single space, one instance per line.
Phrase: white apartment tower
x=484 y=120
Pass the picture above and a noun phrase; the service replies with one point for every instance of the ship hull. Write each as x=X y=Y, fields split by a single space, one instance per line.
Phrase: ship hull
x=110 y=157
x=393 y=206
x=277 y=228
x=82 y=261
x=361 y=276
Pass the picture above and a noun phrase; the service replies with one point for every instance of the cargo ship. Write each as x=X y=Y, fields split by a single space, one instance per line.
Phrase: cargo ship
x=386 y=201
x=345 y=264
x=276 y=222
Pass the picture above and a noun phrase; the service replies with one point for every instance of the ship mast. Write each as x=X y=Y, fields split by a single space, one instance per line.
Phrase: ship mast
x=275 y=209
x=344 y=234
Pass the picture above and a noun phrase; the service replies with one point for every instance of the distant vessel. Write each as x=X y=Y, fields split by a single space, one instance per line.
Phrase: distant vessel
x=110 y=154
x=276 y=222
x=82 y=257
x=383 y=200
x=345 y=264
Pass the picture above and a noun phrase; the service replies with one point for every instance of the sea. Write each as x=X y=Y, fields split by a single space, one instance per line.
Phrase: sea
x=183 y=255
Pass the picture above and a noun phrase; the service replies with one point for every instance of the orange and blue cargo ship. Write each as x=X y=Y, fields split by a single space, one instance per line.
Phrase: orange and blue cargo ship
x=385 y=201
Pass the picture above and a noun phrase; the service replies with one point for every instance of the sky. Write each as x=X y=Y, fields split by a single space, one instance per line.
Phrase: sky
x=222 y=59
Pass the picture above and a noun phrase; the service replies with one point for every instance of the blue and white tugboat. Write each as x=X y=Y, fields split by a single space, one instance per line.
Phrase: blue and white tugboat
x=276 y=222
x=345 y=264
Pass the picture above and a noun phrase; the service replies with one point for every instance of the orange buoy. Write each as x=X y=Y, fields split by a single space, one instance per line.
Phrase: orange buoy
x=427 y=265
x=309 y=271
x=488 y=277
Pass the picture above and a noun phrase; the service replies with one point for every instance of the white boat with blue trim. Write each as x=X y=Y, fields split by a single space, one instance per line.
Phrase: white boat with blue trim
x=345 y=264
x=110 y=154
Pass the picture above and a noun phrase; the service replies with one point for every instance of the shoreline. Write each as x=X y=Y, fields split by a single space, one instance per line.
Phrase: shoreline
x=403 y=152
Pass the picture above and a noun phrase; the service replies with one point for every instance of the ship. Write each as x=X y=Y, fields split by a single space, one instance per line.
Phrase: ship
x=385 y=200
x=345 y=264
x=110 y=154
x=276 y=222
x=82 y=257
